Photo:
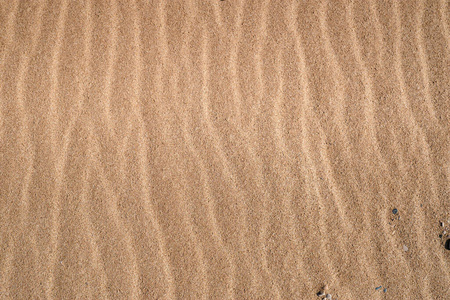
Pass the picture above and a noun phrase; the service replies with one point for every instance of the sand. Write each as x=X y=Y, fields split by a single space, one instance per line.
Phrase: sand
x=224 y=149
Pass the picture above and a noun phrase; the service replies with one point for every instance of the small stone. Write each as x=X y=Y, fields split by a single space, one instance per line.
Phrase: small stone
x=442 y=224
x=378 y=287
x=328 y=296
x=320 y=294
x=405 y=248
x=395 y=211
x=447 y=244
x=385 y=290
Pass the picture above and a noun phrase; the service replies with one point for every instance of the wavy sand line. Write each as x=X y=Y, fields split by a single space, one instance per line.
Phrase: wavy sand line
x=97 y=260
x=305 y=144
x=237 y=98
x=162 y=39
x=10 y=33
x=204 y=177
x=211 y=207
x=112 y=60
x=380 y=46
x=424 y=62
x=143 y=153
x=185 y=206
x=61 y=158
x=369 y=118
x=26 y=134
x=286 y=172
x=25 y=137
x=226 y=166
x=113 y=210
x=262 y=236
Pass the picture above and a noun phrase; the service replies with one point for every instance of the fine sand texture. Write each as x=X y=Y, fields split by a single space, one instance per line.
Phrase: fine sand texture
x=236 y=149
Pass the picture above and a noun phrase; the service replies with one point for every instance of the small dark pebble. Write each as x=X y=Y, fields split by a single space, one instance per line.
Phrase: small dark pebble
x=395 y=211
x=447 y=244
x=440 y=236
x=385 y=290
x=377 y=288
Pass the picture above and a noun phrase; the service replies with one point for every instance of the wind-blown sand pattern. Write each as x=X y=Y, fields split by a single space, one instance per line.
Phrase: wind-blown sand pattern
x=224 y=149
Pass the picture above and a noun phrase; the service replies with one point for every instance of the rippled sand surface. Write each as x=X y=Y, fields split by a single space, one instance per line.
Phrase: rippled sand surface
x=224 y=149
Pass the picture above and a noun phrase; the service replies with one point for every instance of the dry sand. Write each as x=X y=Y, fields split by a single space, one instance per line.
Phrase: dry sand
x=224 y=149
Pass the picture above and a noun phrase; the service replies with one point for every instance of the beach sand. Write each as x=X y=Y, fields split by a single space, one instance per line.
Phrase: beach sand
x=224 y=149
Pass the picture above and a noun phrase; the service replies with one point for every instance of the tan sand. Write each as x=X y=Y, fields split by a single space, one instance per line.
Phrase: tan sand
x=229 y=149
